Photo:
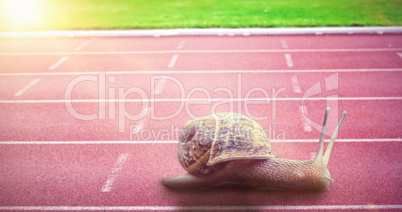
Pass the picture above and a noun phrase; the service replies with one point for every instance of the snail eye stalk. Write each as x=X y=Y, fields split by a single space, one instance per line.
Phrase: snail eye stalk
x=322 y=136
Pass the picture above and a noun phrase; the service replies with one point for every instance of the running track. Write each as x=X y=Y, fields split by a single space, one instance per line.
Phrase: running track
x=69 y=143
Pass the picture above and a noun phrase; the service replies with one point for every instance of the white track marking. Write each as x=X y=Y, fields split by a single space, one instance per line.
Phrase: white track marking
x=117 y=167
x=203 y=100
x=82 y=45
x=368 y=140
x=289 y=61
x=173 y=61
x=199 y=51
x=181 y=45
x=399 y=54
x=306 y=127
x=295 y=85
x=32 y=83
x=205 y=72
x=58 y=63
x=199 y=208
x=284 y=44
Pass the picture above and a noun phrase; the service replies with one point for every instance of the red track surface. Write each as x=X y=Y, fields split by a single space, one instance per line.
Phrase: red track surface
x=52 y=160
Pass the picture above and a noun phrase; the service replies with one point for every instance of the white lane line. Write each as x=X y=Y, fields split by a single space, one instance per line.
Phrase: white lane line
x=117 y=167
x=82 y=45
x=173 y=61
x=200 y=208
x=208 y=32
x=284 y=44
x=289 y=61
x=32 y=83
x=204 y=100
x=399 y=54
x=368 y=140
x=303 y=112
x=206 y=72
x=295 y=85
x=160 y=85
x=58 y=63
x=181 y=45
x=200 y=51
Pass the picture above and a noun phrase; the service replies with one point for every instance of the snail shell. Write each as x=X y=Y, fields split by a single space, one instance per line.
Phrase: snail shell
x=208 y=141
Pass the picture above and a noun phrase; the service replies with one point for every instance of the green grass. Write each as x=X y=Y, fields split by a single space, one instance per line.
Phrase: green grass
x=164 y=14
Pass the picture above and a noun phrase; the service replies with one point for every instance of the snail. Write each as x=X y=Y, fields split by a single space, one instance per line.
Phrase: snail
x=235 y=151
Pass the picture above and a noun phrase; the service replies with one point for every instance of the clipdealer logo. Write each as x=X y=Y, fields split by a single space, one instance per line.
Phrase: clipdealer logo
x=331 y=84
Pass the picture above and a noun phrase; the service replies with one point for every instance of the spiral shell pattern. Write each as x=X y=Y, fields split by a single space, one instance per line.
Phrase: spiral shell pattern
x=206 y=142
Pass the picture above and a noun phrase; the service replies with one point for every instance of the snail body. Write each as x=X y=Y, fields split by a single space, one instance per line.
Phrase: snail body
x=233 y=150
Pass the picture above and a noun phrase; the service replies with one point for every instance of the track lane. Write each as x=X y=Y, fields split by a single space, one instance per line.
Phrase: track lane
x=202 y=43
x=153 y=61
x=55 y=175
x=182 y=85
x=73 y=174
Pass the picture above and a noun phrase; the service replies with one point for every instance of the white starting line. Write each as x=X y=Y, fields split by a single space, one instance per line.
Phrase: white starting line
x=181 y=45
x=200 y=51
x=295 y=84
x=289 y=61
x=58 y=63
x=284 y=44
x=172 y=62
x=117 y=167
x=82 y=45
x=24 y=89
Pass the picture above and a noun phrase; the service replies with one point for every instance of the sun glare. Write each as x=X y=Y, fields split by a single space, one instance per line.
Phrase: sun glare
x=20 y=14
